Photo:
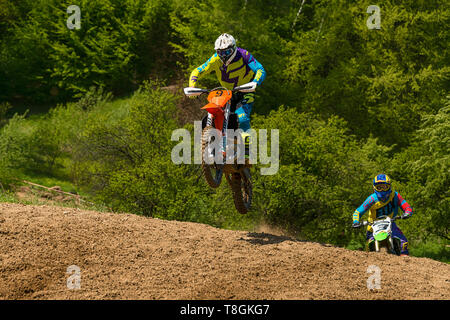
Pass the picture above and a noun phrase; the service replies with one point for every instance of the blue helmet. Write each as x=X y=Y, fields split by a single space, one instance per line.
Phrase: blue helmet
x=382 y=187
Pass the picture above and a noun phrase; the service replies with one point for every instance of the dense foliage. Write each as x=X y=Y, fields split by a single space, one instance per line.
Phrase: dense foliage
x=349 y=101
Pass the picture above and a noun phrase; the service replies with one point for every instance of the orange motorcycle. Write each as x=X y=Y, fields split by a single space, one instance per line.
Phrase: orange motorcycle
x=219 y=156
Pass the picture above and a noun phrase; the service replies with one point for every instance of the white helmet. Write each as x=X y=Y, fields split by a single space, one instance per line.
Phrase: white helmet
x=225 y=47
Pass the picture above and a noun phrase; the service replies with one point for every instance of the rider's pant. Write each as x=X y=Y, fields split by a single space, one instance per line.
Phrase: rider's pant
x=243 y=111
x=396 y=233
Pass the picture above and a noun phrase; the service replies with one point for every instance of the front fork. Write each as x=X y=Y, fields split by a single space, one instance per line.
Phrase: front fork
x=225 y=125
x=209 y=120
x=391 y=243
x=226 y=115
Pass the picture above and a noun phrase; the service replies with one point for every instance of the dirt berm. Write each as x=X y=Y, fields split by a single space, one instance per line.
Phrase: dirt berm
x=124 y=256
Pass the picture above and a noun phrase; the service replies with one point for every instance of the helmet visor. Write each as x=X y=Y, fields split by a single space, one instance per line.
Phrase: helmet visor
x=382 y=187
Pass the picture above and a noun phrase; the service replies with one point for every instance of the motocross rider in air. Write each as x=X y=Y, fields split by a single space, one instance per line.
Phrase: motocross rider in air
x=384 y=201
x=234 y=67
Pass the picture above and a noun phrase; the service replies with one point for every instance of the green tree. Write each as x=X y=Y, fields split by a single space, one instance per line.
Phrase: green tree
x=372 y=78
x=424 y=169
x=118 y=45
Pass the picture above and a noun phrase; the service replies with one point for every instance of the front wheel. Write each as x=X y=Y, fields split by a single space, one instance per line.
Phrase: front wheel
x=212 y=172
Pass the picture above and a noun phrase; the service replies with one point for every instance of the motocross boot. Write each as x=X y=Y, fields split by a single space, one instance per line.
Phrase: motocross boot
x=247 y=141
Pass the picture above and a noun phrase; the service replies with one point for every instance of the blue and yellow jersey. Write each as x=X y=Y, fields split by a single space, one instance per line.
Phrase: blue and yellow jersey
x=377 y=208
x=242 y=69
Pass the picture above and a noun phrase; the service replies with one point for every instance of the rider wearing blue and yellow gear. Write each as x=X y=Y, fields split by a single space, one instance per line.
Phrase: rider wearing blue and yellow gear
x=384 y=202
x=233 y=67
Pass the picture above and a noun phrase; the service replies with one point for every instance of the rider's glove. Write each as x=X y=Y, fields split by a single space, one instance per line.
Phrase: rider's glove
x=406 y=216
x=356 y=224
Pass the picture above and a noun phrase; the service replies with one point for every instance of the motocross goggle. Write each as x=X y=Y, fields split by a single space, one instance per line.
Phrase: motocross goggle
x=382 y=187
x=224 y=53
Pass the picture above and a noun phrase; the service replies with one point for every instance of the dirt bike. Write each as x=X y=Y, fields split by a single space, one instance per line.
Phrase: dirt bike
x=216 y=158
x=382 y=233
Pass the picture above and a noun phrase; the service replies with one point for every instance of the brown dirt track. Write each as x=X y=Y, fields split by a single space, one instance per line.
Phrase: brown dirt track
x=124 y=256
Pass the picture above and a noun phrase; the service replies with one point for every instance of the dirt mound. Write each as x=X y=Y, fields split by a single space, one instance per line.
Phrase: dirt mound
x=124 y=256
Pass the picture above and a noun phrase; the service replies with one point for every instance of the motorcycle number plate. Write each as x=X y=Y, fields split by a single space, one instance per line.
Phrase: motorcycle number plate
x=380 y=227
x=219 y=97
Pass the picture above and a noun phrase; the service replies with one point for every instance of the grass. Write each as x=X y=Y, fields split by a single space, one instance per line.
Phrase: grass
x=434 y=250
x=49 y=182
x=111 y=111
x=34 y=199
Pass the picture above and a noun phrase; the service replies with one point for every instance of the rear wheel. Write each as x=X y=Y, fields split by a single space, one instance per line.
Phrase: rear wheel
x=212 y=172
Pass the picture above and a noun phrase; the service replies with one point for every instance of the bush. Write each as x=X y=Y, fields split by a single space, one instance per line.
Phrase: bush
x=324 y=175
x=15 y=149
x=4 y=107
x=127 y=163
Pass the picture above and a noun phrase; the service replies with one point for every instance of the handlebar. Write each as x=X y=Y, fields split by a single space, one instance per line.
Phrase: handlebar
x=365 y=223
x=192 y=91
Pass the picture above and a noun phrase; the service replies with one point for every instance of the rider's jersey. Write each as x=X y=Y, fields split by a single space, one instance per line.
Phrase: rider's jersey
x=241 y=70
x=379 y=208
